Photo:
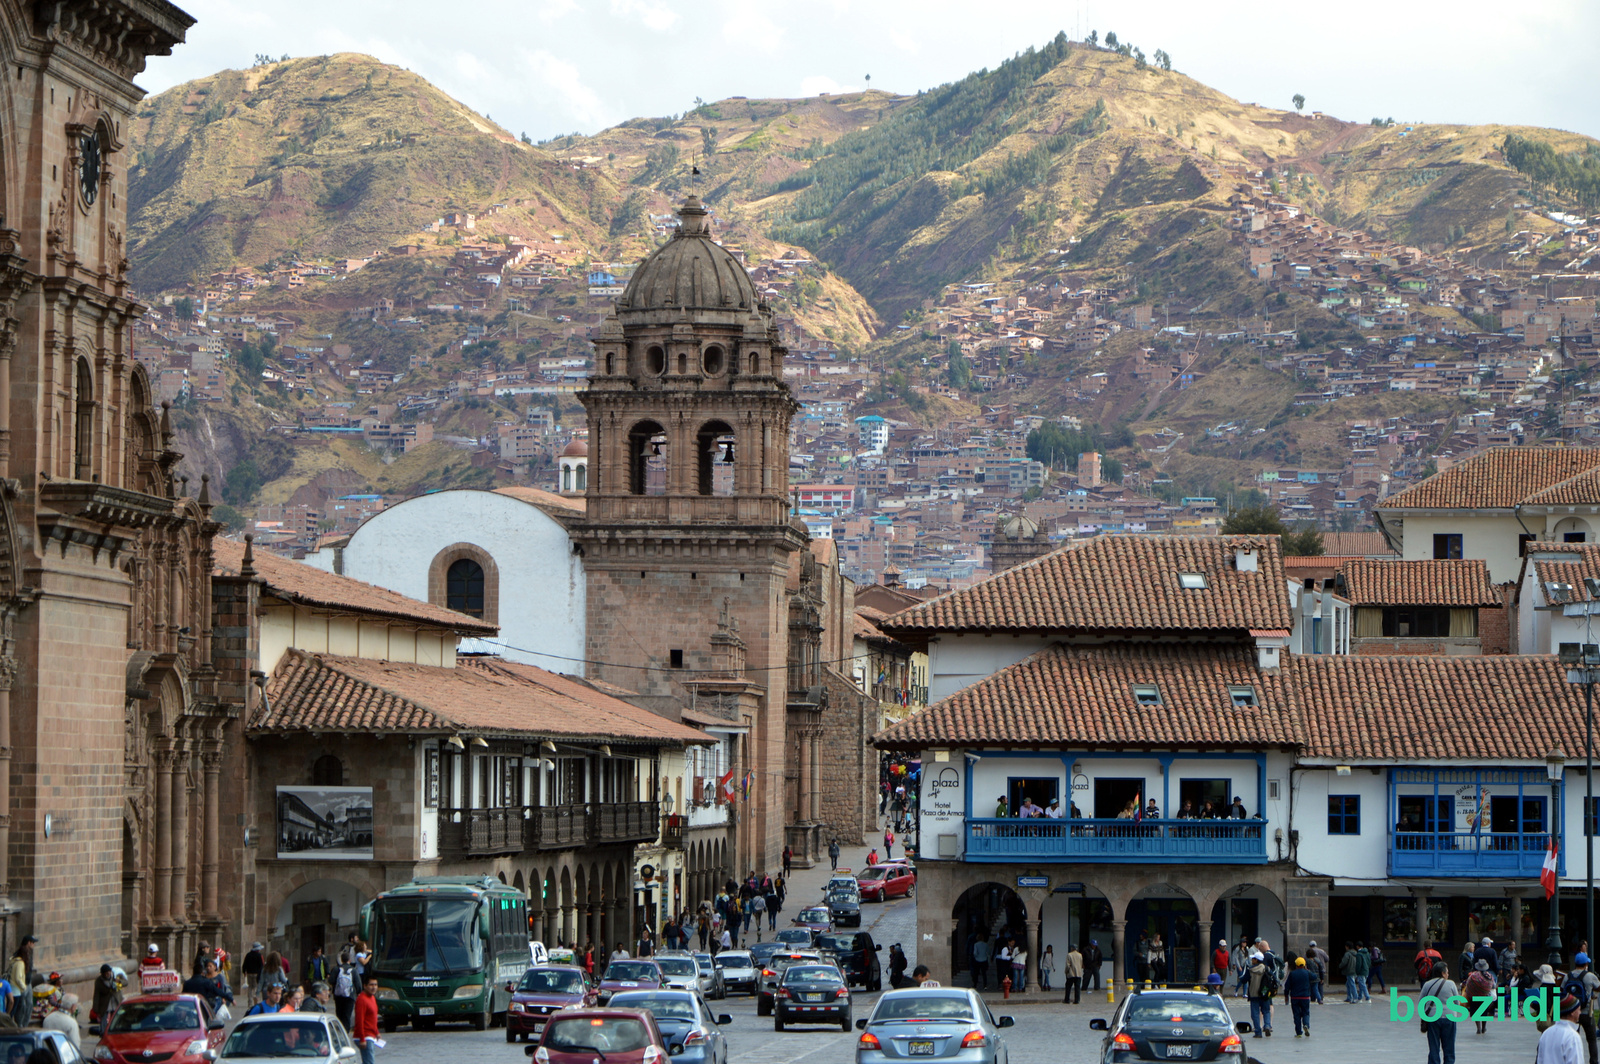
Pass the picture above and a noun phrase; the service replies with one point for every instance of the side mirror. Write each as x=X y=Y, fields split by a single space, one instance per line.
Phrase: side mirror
x=94 y=1029
x=1097 y=1025
x=210 y=1054
x=675 y=1050
x=724 y=1019
x=1005 y=1021
x=877 y=948
x=347 y=1053
x=214 y=1025
x=530 y=1050
x=1243 y=1027
x=861 y=1025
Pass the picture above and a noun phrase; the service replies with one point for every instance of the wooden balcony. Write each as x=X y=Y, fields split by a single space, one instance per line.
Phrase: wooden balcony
x=516 y=829
x=1148 y=841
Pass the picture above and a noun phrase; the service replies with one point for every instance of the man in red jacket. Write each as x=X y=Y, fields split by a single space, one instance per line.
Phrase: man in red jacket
x=366 y=1031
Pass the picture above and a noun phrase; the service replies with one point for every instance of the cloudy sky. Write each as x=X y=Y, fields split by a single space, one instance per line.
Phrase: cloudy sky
x=546 y=67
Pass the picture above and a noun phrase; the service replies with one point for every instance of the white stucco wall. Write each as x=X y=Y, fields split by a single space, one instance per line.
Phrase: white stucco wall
x=542 y=589
x=958 y=661
x=1492 y=538
x=1363 y=856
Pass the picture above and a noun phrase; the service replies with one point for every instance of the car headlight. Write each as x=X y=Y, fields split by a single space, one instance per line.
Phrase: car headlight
x=388 y=993
x=104 y=1053
x=517 y=1006
x=195 y=1048
x=468 y=991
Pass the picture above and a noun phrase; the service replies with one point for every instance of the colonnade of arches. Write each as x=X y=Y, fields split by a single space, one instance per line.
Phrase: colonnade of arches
x=706 y=869
x=1123 y=924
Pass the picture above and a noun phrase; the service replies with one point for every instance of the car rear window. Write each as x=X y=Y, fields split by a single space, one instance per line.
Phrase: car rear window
x=607 y=1034
x=819 y=915
x=665 y=1006
x=155 y=1016
x=813 y=974
x=1176 y=1010
x=837 y=943
x=923 y=1007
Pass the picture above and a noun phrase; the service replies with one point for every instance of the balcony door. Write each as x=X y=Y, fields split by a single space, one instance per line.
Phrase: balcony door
x=1196 y=793
x=1503 y=818
x=1042 y=789
x=1111 y=796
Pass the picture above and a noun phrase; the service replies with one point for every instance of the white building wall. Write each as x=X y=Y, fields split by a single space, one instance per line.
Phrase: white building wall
x=959 y=661
x=1364 y=856
x=1492 y=538
x=541 y=591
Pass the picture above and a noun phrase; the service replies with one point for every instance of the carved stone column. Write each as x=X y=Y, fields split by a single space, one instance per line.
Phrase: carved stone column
x=212 y=759
x=162 y=912
x=1207 y=946
x=1033 y=946
x=1118 y=969
x=8 y=675
x=802 y=810
x=180 y=834
x=595 y=934
x=814 y=741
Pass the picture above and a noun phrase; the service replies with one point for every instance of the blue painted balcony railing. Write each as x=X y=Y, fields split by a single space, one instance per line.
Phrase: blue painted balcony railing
x=1463 y=853
x=1155 y=841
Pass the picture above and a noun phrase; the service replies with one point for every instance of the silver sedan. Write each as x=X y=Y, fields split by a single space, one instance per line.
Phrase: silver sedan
x=944 y=1023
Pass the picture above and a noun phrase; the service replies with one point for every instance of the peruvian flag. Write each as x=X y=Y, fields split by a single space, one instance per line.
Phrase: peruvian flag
x=726 y=785
x=1547 y=874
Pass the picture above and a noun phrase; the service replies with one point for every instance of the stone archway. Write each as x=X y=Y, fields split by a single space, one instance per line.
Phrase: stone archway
x=306 y=913
x=1166 y=915
x=1244 y=910
x=992 y=911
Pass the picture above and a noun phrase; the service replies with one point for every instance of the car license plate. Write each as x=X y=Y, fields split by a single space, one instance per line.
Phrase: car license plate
x=1176 y=1050
x=426 y=1010
x=919 y=1049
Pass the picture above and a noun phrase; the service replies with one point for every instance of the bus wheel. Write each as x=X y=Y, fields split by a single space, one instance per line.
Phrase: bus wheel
x=480 y=1021
x=390 y=1025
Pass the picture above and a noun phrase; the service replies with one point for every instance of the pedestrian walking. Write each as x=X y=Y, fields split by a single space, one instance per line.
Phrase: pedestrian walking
x=1047 y=967
x=788 y=860
x=1562 y=1041
x=107 y=995
x=833 y=854
x=1375 y=970
x=758 y=912
x=1317 y=961
x=1442 y=1031
x=1092 y=959
x=1019 y=969
x=20 y=974
x=1297 y=988
x=1363 y=973
x=366 y=1029
x=1349 y=967
x=897 y=967
x=344 y=991
x=317 y=970
x=1263 y=987
x=888 y=844
x=1002 y=965
x=1583 y=974
x=1072 y=977
x=872 y=856
x=250 y=968
x=1480 y=985
x=1219 y=957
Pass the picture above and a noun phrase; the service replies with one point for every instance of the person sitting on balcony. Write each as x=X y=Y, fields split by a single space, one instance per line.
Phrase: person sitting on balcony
x=1237 y=810
x=1208 y=811
x=1028 y=809
x=1000 y=809
x=1053 y=810
x=1152 y=811
x=1129 y=810
x=1186 y=812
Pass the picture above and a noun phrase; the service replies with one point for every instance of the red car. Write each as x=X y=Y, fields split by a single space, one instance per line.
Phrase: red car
x=891 y=879
x=543 y=990
x=616 y=1036
x=630 y=975
x=177 y=1028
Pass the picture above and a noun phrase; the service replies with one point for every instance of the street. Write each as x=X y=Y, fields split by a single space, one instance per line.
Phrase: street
x=1046 y=1031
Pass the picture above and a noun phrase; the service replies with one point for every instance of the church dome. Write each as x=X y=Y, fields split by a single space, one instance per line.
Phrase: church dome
x=1016 y=526
x=576 y=449
x=690 y=271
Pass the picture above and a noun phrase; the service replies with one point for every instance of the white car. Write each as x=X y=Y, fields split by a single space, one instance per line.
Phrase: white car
x=739 y=971
x=302 y=1037
x=681 y=970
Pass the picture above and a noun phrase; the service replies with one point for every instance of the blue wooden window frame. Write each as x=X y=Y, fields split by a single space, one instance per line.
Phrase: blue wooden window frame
x=1344 y=814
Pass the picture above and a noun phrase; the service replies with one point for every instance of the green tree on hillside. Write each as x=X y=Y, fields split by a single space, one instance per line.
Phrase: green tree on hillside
x=1094 y=38
x=1111 y=41
x=1264 y=520
x=184 y=309
x=1299 y=102
x=959 y=370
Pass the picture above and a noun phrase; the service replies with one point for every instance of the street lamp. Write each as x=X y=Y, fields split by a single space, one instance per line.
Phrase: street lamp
x=1586 y=656
x=1555 y=763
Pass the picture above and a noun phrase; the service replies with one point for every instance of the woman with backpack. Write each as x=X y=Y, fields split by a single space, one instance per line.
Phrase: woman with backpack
x=1480 y=985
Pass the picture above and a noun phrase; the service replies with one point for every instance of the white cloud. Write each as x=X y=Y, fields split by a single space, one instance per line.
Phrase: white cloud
x=745 y=27
x=817 y=84
x=582 y=103
x=654 y=14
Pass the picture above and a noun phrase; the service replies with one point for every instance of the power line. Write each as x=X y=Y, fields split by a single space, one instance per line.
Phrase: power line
x=647 y=668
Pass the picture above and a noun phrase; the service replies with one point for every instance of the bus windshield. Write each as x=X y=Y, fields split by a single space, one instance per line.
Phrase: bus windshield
x=426 y=935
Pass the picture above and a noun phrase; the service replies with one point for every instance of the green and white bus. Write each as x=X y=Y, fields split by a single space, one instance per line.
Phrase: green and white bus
x=446 y=948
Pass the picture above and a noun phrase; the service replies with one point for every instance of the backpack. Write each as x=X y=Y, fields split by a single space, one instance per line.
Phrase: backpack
x=1271 y=976
x=342 y=984
x=1574 y=986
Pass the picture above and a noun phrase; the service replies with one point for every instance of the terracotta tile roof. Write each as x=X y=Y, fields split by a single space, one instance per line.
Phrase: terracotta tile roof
x=1355 y=544
x=1422 y=707
x=1408 y=707
x=1119 y=583
x=1463 y=582
x=1502 y=477
x=1566 y=563
x=546 y=500
x=1081 y=696
x=297 y=582
x=329 y=692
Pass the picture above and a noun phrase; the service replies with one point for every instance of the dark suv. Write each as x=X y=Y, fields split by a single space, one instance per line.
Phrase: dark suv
x=858 y=956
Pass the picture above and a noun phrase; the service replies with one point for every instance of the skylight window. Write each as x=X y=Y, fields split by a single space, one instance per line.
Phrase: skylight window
x=1147 y=694
x=1243 y=695
x=1192 y=581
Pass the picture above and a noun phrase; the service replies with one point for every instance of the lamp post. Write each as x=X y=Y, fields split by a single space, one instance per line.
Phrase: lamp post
x=1586 y=658
x=1555 y=763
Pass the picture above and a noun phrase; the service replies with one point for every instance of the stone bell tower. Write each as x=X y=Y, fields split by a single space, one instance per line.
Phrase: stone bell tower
x=687 y=504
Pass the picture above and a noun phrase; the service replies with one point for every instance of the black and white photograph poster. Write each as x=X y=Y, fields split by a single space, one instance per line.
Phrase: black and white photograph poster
x=328 y=823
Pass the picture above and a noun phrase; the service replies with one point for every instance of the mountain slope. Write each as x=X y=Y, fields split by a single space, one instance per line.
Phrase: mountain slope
x=327 y=157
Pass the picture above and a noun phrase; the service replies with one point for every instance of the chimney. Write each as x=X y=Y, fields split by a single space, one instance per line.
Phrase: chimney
x=1244 y=559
